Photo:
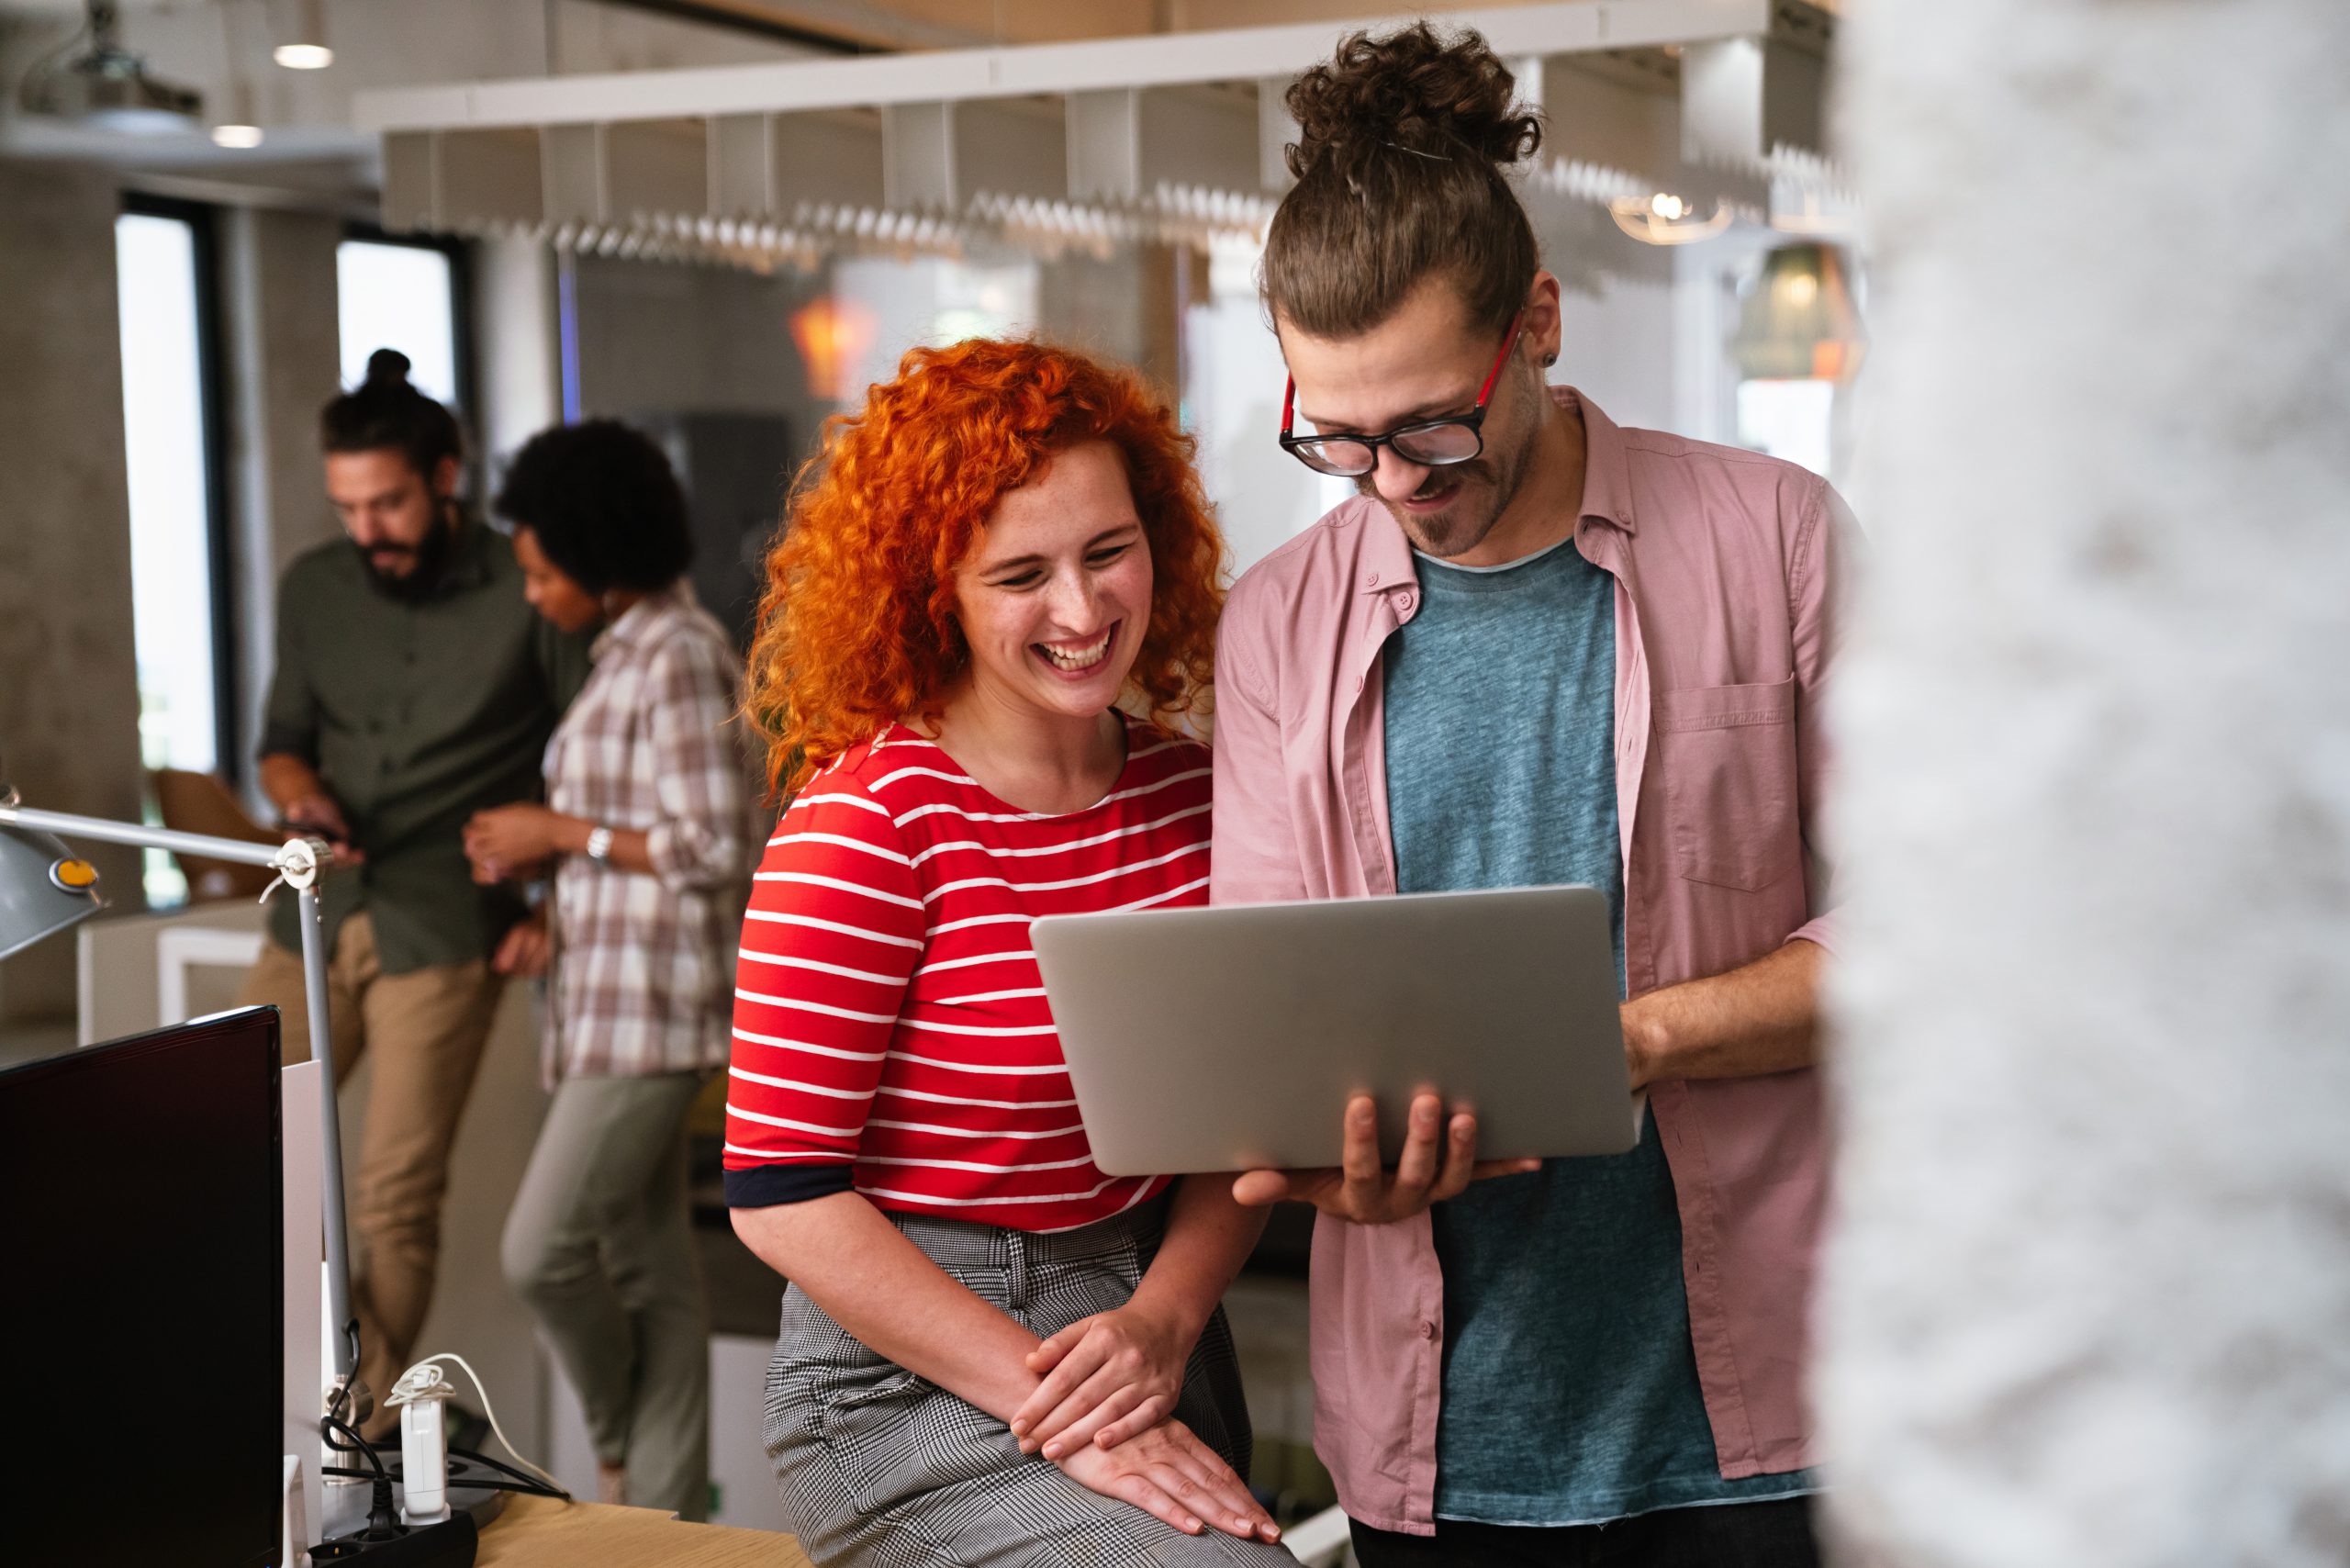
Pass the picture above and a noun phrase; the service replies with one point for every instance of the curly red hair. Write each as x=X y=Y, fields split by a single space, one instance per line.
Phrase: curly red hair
x=857 y=625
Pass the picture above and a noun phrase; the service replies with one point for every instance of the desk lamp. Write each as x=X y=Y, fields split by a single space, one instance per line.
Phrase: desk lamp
x=45 y=888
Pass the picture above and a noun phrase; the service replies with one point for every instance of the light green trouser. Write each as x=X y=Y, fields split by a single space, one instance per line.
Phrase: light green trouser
x=600 y=1245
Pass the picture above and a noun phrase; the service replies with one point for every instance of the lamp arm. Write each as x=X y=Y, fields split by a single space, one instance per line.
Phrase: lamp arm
x=298 y=861
x=244 y=851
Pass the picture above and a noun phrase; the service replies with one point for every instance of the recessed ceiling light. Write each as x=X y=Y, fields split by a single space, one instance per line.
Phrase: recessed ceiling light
x=303 y=56
x=236 y=135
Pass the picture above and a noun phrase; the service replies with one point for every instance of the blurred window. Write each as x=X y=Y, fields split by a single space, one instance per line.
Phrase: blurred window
x=1793 y=419
x=173 y=463
x=393 y=294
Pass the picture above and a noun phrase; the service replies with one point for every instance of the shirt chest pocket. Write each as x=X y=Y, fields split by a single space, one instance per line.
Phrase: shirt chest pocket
x=1727 y=756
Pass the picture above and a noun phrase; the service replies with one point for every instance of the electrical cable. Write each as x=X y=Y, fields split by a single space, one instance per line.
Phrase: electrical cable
x=342 y=1385
x=503 y=1469
x=384 y=1523
x=357 y=1445
x=410 y=1382
x=456 y=1483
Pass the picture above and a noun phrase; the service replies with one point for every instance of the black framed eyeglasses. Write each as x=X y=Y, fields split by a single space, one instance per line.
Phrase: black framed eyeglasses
x=1431 y=444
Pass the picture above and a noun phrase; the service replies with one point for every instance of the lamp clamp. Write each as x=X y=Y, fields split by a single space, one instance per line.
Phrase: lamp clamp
x=298 y=863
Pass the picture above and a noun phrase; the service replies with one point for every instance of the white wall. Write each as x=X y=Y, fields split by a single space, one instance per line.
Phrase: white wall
x=2089 y=1290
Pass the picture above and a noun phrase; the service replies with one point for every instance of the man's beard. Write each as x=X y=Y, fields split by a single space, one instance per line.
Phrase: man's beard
x=1487 y=485
x=428 y=556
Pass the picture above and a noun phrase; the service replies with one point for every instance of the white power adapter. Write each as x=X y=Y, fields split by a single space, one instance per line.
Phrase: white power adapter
x=424 y=1443
x=424 y=1439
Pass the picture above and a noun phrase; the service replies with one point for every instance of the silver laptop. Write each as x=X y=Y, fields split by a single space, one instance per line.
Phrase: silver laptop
x=1230 y=1037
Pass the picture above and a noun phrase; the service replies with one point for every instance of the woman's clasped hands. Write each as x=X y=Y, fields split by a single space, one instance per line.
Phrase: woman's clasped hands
x=1104 y=1413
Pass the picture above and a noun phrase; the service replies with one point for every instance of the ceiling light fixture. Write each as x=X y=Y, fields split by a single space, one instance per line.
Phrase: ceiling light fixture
x=1665 y=219
x=1797 y=321
x=108 y=87
x=307 y=49
x=240 y=128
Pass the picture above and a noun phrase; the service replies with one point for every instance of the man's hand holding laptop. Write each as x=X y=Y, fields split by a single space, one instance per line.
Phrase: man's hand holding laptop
x=1439 y=1159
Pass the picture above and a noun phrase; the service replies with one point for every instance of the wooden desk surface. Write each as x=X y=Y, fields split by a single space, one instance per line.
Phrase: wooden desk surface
x=542 y=1532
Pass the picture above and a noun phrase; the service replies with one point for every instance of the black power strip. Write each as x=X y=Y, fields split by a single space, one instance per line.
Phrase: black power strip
x=449 y=1544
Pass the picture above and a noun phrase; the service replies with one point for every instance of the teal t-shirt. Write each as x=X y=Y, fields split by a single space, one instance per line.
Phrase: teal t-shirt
x=1571 y=1390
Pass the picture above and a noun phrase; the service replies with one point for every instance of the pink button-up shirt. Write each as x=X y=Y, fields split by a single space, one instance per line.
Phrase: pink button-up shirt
x=1726 y=567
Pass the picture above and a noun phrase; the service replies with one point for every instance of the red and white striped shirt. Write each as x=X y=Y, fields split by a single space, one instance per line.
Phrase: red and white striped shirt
x=890 y=1029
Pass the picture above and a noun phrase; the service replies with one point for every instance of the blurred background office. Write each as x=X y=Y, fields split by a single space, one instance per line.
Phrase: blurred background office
x=2119 y=291
x=224 y=207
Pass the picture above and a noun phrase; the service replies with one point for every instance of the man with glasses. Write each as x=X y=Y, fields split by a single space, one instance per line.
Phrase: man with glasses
x=1538 y=648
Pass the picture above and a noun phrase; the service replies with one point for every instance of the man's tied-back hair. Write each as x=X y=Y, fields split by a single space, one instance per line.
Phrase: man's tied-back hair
x=386 y=412
x=1403 y=144
x=858 y=627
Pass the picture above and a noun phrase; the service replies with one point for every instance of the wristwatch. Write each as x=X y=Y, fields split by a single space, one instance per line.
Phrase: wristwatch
x=599 y=842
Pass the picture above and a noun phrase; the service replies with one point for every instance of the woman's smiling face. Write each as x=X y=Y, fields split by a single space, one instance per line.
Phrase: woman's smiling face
x=1054 y=598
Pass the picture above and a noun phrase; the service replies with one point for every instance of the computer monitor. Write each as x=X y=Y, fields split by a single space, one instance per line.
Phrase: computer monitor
x=140 y=1299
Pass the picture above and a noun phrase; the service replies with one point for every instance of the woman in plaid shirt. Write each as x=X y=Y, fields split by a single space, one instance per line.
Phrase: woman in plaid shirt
x=647 y=828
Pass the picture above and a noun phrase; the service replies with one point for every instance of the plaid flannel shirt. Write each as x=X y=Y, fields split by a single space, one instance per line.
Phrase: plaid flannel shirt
x=642 y=977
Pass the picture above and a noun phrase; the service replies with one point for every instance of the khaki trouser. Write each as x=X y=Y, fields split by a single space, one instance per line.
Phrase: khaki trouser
x=425 y=1029
x=600 y=1243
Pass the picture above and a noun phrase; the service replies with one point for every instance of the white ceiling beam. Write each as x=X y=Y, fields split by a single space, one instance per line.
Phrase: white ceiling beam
x=824 y=160
x=1104 y=133
x=918 y=172
x=952 y=76
x=1277 y=130
x=1743 y=98
x=487 y=177
x=655 y=167
x=1014 y=147
x=1199 y=136
x=777 y=166
x=1608 y=118
x=571 y=173
x=742 y=166
x=407 y=201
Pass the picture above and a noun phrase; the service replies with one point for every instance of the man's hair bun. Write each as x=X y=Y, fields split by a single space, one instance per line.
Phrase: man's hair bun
x=1412 y=93
x=387 y=367
x=385 y=411
x=1405 y=144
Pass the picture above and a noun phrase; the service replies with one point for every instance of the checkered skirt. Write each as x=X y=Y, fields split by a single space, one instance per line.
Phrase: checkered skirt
x=882 y=1470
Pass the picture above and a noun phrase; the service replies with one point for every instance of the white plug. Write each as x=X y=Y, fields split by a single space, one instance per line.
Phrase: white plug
x=424 y=1443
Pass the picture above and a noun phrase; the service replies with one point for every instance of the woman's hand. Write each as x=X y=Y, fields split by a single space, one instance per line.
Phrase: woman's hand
x=1168 y=1474
x=523 y=950
x=1107 y=1378
x=510 y=841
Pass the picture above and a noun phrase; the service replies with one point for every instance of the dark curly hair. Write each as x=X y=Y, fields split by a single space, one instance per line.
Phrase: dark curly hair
x=603 y=504
x=384 y=412
x=1402 y=142
x=857 y=628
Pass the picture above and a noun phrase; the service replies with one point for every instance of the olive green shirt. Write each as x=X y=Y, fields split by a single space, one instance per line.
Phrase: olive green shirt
x=417 y=715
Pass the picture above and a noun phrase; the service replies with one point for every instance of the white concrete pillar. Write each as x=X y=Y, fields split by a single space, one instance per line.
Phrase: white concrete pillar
x=69 y=678
x=518 y=343
x=2087 y=1298
x=283 y=341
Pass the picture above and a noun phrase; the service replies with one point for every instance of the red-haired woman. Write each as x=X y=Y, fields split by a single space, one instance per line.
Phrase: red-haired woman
x=990 y=1350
